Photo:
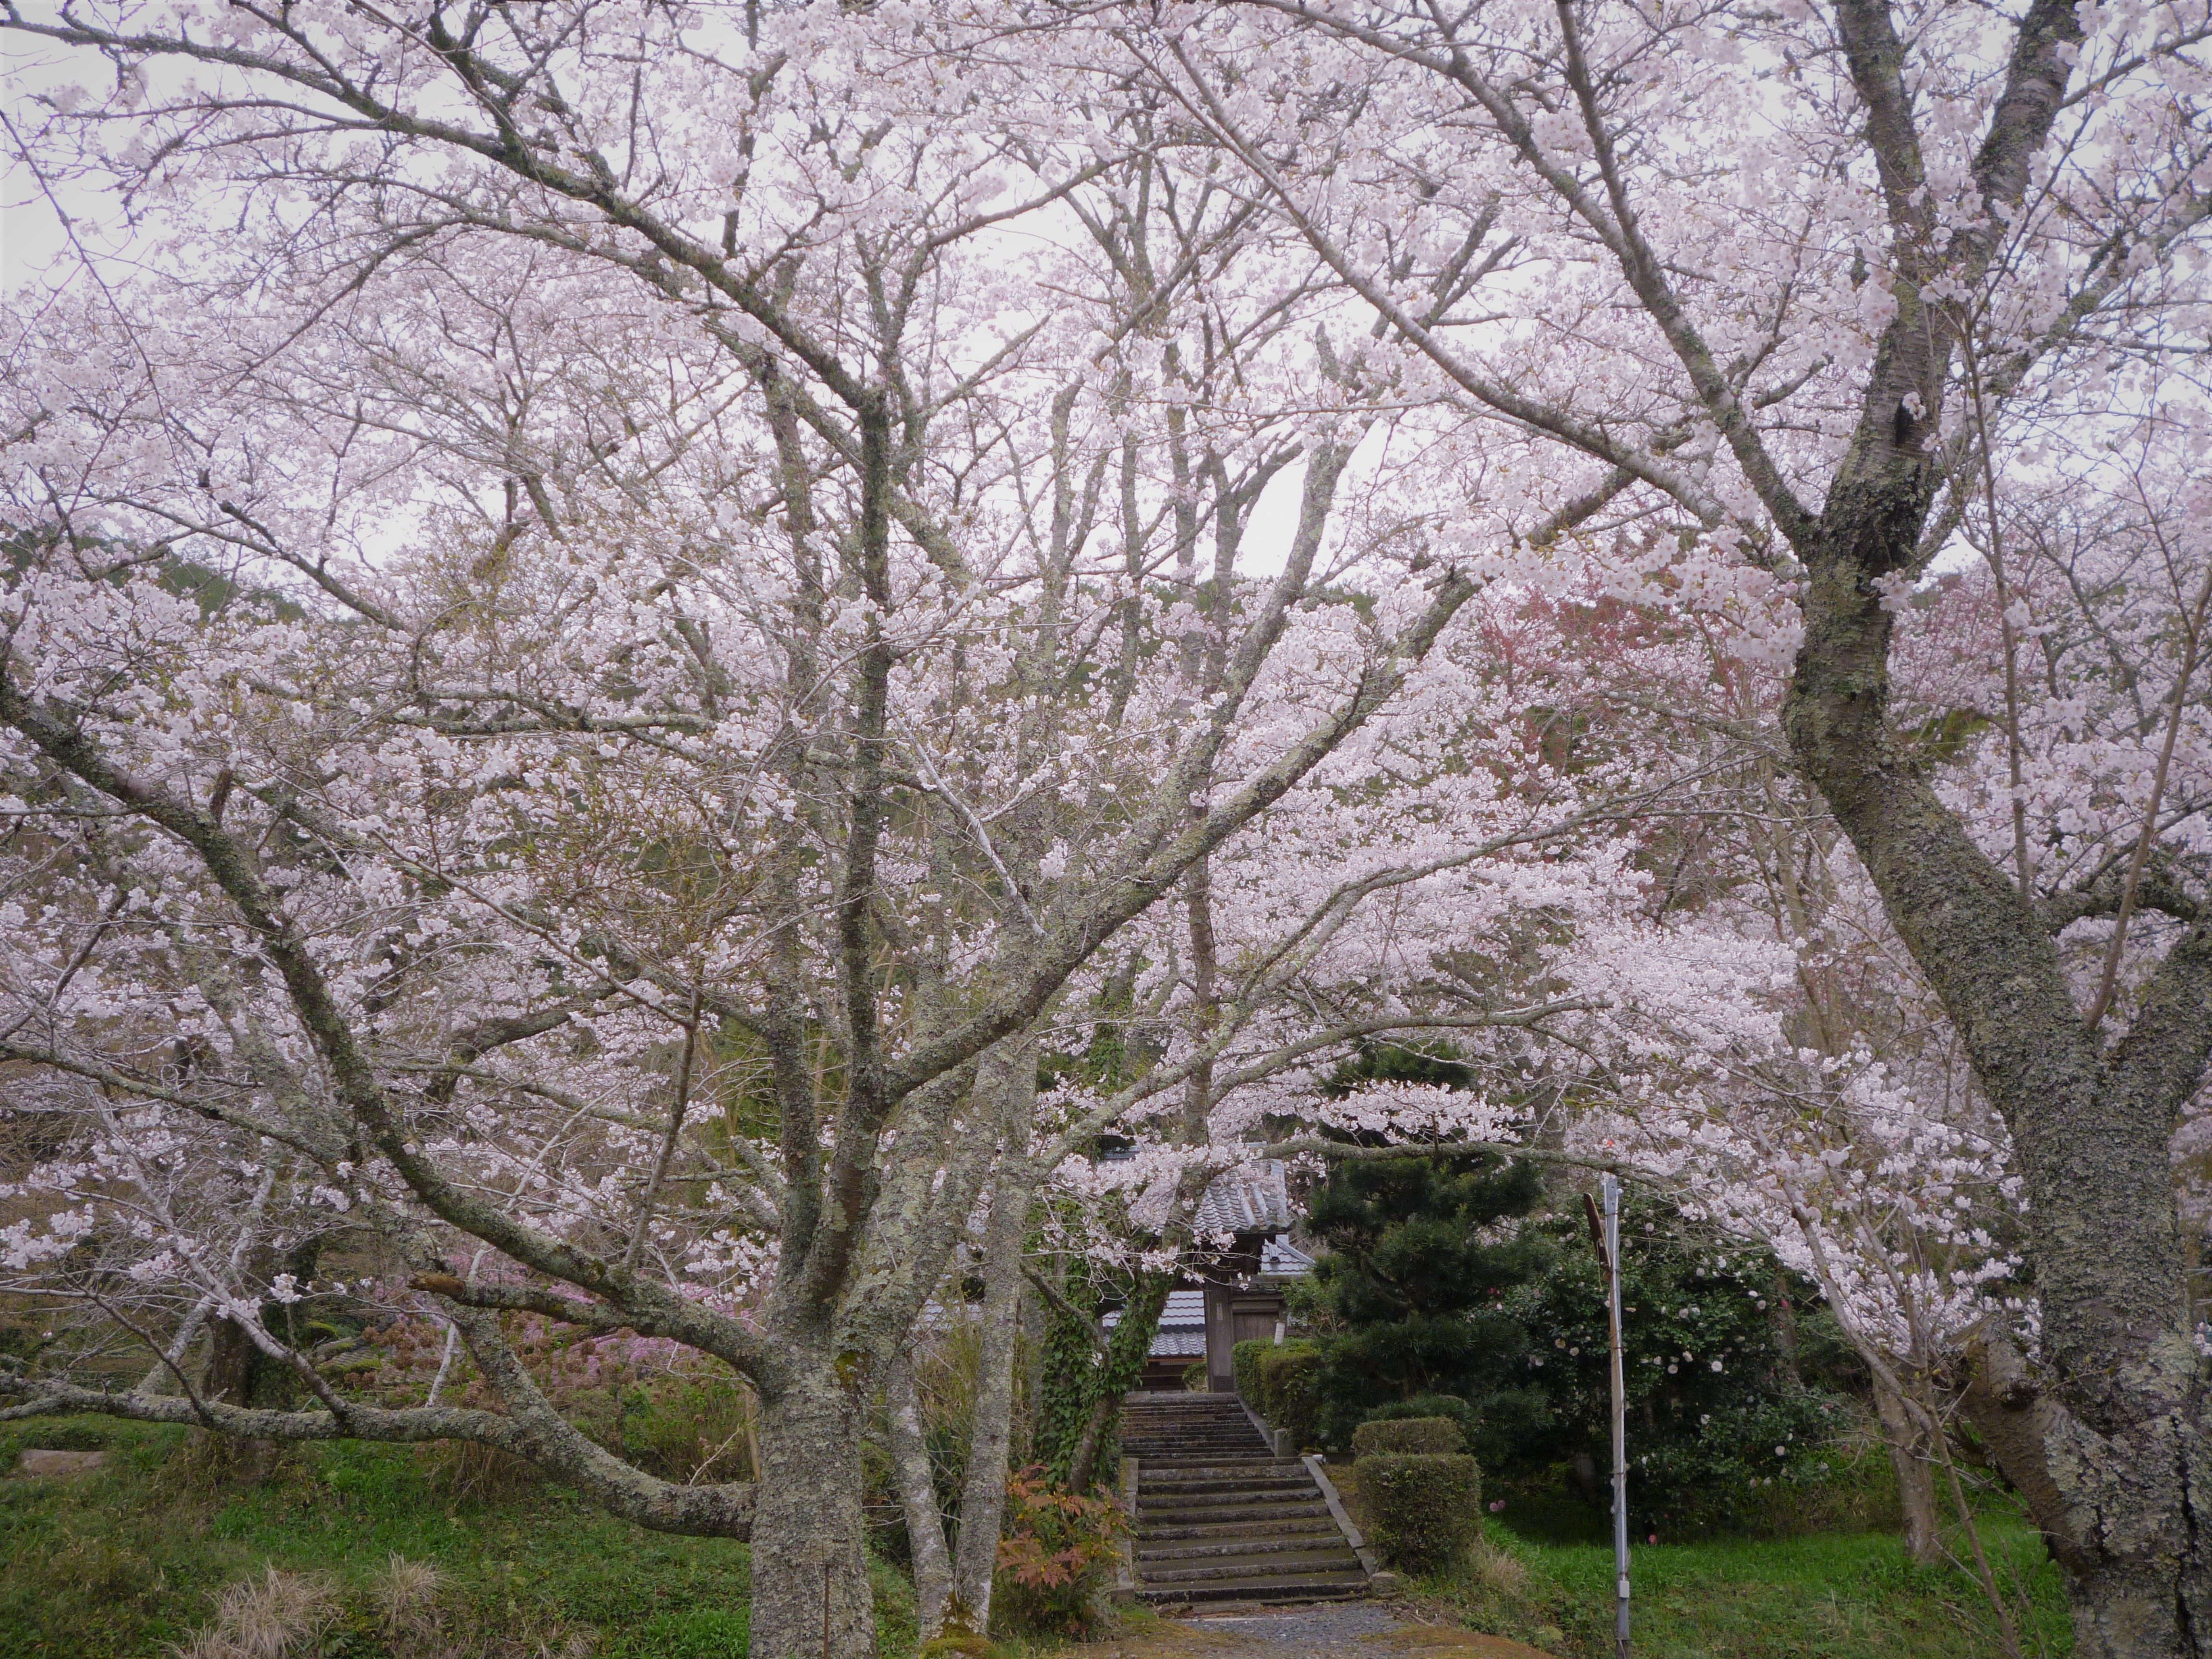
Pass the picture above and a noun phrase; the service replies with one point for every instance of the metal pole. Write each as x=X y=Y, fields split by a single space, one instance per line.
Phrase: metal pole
x=1612 y=1191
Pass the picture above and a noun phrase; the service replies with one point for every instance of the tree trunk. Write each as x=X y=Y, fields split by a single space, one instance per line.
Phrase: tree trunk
x=2138 y=1586
x=917 y=1485
x=228 y=1373
x=1916 y=1477
x=1784 y=1319
x=1118 y=1372
x=810 y=1595
x=983 y=1490
x=2123 y=1462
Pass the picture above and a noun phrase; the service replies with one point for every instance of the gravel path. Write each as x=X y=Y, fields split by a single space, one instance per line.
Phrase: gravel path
x=1315 y=1629
x=1326 y=1630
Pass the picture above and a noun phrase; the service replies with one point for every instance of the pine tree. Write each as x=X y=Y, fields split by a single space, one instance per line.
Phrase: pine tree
x=1421 y=1259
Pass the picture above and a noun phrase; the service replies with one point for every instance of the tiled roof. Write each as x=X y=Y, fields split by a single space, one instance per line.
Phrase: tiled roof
x=1183 y=1307
x=1280 y=1259
x=1182 y=1332
x=1249 y=1199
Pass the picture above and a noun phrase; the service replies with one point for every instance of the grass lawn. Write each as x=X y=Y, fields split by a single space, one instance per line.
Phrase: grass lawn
x=1823 y=1595
x=123 y=1562
x=119 y=1563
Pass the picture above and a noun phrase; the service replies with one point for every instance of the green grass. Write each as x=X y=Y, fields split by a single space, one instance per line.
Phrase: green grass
x=1823 y=1595
x=121 y=1562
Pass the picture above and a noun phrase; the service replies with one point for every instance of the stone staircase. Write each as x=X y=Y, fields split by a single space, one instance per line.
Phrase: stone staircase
x=1219 y=1517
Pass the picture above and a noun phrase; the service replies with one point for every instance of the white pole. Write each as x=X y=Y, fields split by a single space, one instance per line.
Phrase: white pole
x=1612 y=1191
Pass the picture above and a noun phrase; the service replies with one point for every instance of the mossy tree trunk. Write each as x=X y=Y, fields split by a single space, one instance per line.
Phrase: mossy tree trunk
x=2123 y=1472
x=811 y=1596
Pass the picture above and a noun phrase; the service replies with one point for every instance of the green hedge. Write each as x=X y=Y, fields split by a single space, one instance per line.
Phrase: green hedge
x=1244 y=1366
x=1426 y=1507
x=1289 y=1374
x=1419 y=1436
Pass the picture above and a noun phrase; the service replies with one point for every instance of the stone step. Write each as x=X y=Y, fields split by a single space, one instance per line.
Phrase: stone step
x=1304 y=1492
x=1187 y=1423
x=1265 y=1515
x=1233 y=1468
x=1208 y=1549
x=1220 y=1486
x=1182 y=1460
x=1251 y=1564
x=1323 y=1525
x=1285 y=1591
x=1260 y=1574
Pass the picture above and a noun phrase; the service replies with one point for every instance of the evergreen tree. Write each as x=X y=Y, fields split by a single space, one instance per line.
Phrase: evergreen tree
x=1419 y=1267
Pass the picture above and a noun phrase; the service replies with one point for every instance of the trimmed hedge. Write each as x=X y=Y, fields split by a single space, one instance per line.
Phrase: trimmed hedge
x=1290 y=1375
x=1244 y=1366
x=1421 y=1436
x=1427 y=1507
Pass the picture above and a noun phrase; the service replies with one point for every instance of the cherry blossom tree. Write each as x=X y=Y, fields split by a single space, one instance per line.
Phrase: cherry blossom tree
x=678 y=705
x=584 y=688
x=1816 y=279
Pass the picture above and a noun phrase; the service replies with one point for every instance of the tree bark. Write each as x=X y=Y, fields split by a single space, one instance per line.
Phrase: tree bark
x=2126 y=1457
x=917 y=1485
x=1118 y=1368
x=1916 y=1477
x=983 y=1492
x=2126 y=1477
x=809 y=1572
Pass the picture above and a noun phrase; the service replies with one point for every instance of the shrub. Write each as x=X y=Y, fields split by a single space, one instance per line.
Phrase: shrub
x=1417 y=1435
x=1290 y=1398
x=484 y=1474
x=1448 y=1407
x=1706 y=1358
x=1193 y=1378
x=1426 y=1507
x=1054 y=1556
x=1245 y=1367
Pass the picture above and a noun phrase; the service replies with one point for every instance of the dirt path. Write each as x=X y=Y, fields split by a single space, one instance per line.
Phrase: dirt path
x=1342 y=1629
